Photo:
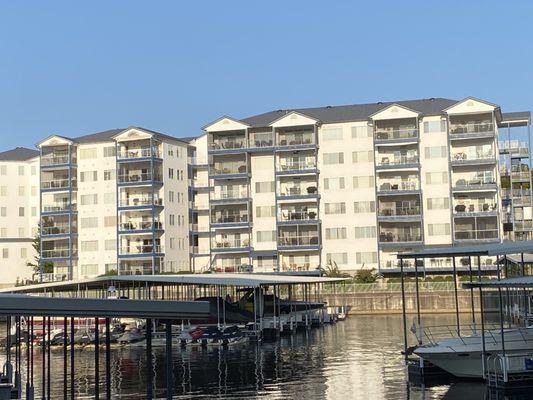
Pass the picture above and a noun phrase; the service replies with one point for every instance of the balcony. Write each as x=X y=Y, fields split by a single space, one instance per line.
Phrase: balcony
x=230 y=245
x=140 y=226
x=234 y=267
x=290 y=140
x=51 y=160
x=471 y=130
x=520 y=176
x=400 y=236
x=58 y=207
x=63 y=252
x=298 y=192
x=476 y=234
x=391 y=162
x=199 y=228
x=477 y=182
x=141 y=201
x=227 y=170
x=473 y=157
x=296 y=166
x=138 y=178
x=514 y=148
x=58 y=229
x=228 y=144
x=309 y=241
x=395 y=134
x=261 y=140
x=298 y=216
x=140 y=250
x=467 y=208
x=394 y=187
x=58 y=184
x=399 y=212
x=140 y=153
x=230 y=194
x=229 y=219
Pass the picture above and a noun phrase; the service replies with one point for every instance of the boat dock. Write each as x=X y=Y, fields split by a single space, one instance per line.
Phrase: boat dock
x=498 y=351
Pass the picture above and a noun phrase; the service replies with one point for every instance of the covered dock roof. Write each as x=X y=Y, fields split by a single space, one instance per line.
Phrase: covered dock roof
x=241 y=280
x=517 y=282
x=490 y=249
x=21 y=304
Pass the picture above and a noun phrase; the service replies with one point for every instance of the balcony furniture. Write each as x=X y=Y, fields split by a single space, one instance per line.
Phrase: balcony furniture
x=385 y=186
x=312 y=215
x=394 y=186
x=311 y=189
x=385 y=161
x=471 y=208
x=460 y=182
x=313 y=240
x=476 y=181
x=242 y=169
x=460 y=208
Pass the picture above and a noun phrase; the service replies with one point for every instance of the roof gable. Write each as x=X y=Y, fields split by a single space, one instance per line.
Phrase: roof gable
x=394 y=111
x=55 y=140
x=225 y=123
x=471 y=105
x=293 y=118
x=131 y=134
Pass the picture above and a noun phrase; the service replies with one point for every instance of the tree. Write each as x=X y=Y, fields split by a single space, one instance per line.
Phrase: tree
x=332 y=271
x=365 y=276
x=47 y=266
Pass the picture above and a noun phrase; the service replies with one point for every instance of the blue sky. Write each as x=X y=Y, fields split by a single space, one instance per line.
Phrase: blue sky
x=75 y=68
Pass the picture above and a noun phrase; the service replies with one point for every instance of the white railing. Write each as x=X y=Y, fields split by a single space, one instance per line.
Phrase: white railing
x=54 y=160
x=289 y=215
x=387 y=186
x=229 y=168
x=306 y=240
x=142 y=152
x=479 y=234
x=140 y=225
x=55 y=253
x=57 y=229
x=399 y=211
x=473 y=156
x=297 y=190
x=481 y=127
x=230 y=218
x=58 y=206
x=140 y=249
x=473 y=206
x=396 y=160
x=229 y=144
x=231 y=194
x=389 y=237
x=301 y=164
x=58 y=184
x=230 y=243
x=140 y=201
x=138 y=177
x=395 y=133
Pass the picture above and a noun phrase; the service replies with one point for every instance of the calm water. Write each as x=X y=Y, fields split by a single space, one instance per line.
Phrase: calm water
x=355 y=359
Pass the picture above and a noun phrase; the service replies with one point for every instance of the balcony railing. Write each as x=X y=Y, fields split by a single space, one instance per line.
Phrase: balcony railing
x=229 y=168
x=288 y=215
x=140 y=225
x=56 y=253
x=55 y=160
x=398 y=185
x=472 y=207
x=58 y=184
x=230 y=219
x=262 y=139
x=141 y=249
x=297 y=165
x=199 y=227
x=138 y=177
x=298 y=191
x=228 y=144
x=520 y=176
x=480 y=127
x=523 y=225
x=473 y=156
x=58 y=229
x=390 y=237
x=474 y=182
x=399 y=211
x=230 y=243
x=479 y=234
x=140 y=201
x=59 y=206
x=233 y=268
x=295 y=140
x=142 y=152
x=394 y=134
x=231 y=194
x=396 y=160
x=306 y=240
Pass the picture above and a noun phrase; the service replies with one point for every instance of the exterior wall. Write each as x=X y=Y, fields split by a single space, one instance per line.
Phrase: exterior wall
x=17 y=232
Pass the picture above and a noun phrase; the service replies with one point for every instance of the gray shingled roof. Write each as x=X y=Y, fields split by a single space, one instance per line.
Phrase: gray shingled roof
x=106 y=136
x=18 y=154
x=510 y=116
x=354 y=112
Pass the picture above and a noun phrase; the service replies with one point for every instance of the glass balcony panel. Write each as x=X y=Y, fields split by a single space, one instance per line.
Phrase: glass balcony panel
x=295 y=139
x=140 y=152
x=237 y=167
x=476 y=234
x=141 y=249
x=393 y=133
x=390 y=236
x=472 y=127
x=229 y=143
x=392 y=185
x=262 y=139
x=399 y=210
x=297 y=163
x=298 y=240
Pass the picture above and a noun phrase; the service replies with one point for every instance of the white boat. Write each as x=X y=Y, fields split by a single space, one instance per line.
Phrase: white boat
x=461 y=356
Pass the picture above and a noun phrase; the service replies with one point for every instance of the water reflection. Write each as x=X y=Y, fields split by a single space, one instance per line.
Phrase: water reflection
x=356 y=359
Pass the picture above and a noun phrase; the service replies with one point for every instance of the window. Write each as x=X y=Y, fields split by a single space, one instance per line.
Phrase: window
x=366 y=257
x=438 y=203
x=337 y=258
x=265 y=187
x=89 y=222
x=3 y=232
x=362 y=156
x=21 y=191
x=110 y=244
x=266 y=236
x=88 y=176
x=435 y=152
x=21 y=232
x=172 y=220
x=34 y=190
x=335 y=233
x=88 y=199
x=21 y=211
x=171 y=173
x=5 y=253
x=435 y=126
x=438 y=229
x=110 y=220
x=110 y=267
x=110 y=151
x=359 y=132
x=265 y=211
x=334 y=183
x=365 y=232
x=333 y=158
x=364 y=207
x=89 y=245
x=89 y=269
x=21 y=170
x=3 y=211
x=33 y=170
x=172 y=243
x=109 y=174
x=335 y=208
x=3 y=170
x=360 y=182
x=88 y=153
x=3 y=191
x=23 y=252
x=34 y=211
x=109 y=198
x=170 y=151
x=171 y=196
x=435 y=178
x=331 y=134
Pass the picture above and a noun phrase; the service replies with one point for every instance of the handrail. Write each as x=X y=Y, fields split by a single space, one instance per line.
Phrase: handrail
x=480 y=127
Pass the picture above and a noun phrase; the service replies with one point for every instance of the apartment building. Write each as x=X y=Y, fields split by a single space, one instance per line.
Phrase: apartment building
x=114 y=202
x=19 y=212
x=292 y=190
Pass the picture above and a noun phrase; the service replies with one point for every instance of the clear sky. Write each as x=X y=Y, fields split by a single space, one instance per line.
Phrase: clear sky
x=73 y=68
